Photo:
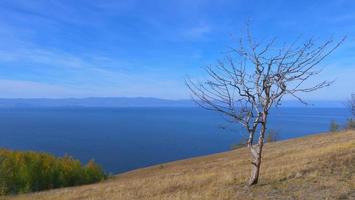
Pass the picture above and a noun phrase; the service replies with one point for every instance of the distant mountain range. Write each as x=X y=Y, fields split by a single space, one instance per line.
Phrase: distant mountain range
x=96 y=102
x=130 y=102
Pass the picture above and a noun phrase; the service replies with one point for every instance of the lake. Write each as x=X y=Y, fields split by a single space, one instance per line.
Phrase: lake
x=122 y=139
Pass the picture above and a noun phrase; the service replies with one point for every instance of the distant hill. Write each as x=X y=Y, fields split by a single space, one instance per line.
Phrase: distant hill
x=96 y=102
x=130 y=102
x=318 y=103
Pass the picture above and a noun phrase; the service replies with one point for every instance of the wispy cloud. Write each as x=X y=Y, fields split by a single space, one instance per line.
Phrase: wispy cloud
x=82 y=76
x=30 y=89
x=196 y=32
x=41 y=56
x=137 y=48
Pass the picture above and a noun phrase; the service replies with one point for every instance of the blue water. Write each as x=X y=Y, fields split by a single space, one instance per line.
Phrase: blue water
x=122 y=139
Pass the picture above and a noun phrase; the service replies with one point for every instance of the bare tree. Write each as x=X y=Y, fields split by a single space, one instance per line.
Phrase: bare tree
x=256 y=76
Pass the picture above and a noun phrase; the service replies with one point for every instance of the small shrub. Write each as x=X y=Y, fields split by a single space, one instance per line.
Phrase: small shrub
x=22 y=172
x=93 y=172
x=236 y=146
x=334 y=126
x=272 y=136
x=242 y=143
x=350 y=124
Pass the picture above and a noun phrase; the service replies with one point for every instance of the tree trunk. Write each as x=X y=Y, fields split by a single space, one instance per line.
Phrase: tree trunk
x=256 y=154
x=256 y=166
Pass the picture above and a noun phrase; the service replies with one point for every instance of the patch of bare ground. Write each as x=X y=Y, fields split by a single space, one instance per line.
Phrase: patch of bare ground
x=314 y=167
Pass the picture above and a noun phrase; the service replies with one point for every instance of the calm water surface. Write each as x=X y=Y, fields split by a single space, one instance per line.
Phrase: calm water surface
x=122 y=139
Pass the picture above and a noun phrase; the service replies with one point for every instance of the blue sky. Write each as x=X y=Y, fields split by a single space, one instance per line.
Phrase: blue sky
x=88 y=48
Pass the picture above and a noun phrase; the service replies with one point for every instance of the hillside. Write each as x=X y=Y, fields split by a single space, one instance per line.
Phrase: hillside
x=314 y=167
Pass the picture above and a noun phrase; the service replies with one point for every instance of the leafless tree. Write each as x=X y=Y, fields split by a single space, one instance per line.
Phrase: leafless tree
x=256 y=76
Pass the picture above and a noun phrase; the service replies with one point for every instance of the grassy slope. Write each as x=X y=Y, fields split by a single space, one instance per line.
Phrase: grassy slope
x=315 y=167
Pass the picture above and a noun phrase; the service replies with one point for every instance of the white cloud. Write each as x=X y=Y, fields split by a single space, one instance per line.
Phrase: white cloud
x=41 y=56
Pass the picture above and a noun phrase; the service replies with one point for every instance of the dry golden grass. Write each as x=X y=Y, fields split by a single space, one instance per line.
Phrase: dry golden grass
x=314 y=167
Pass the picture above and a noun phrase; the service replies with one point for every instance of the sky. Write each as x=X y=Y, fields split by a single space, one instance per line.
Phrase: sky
x=94 y=48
